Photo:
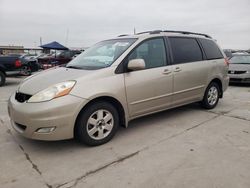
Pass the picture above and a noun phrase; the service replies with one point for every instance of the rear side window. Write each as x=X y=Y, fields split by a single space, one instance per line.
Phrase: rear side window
x=211 y=49
x=185 y=50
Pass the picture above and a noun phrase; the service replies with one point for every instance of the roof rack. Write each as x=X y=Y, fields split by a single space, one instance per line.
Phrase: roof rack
x=150 y=32
x=172 y=31
x=187 y=32
x=123 y=35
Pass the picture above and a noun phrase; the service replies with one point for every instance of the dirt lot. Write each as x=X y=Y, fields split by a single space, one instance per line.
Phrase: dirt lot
x=184 y=147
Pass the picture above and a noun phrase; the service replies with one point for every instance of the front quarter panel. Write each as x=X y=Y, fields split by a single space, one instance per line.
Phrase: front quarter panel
x=104 y=83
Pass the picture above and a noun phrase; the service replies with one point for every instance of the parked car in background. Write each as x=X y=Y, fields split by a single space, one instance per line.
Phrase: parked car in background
x=27 y=60
x=15 y=64
x=118 y=80
x=29 y=65
x=29 y=56
x=9 y=65
x=239 y=68
x=60 y=58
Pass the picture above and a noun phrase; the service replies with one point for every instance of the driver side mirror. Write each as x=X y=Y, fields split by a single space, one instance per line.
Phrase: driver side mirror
x=136 y=64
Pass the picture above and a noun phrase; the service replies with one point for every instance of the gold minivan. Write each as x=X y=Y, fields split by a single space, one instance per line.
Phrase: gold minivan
x=118 y=80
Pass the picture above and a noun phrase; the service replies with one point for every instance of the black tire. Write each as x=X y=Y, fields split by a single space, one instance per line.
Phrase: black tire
x=26 y=70
x=205 y=102
x=2 y=78
x=82 y=124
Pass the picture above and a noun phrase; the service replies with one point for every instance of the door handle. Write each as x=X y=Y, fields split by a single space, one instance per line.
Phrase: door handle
x=177 y=69
x=166 y=71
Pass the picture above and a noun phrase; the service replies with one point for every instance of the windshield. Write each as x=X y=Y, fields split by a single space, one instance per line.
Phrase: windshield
x=244 y=59
x=101 y=55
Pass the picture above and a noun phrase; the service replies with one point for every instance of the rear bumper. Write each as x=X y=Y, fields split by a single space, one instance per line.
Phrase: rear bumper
x=225 y=83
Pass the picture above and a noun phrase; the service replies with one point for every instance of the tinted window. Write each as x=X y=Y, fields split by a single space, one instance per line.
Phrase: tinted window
x=152 y=51
x=185 y=50
x=211 y=49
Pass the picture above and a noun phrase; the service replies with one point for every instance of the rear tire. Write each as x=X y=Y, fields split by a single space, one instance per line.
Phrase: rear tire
x=211 y=96
x=2 y=78
x=97 y=124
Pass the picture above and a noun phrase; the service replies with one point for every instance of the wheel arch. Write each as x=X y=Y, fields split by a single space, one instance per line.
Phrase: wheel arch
x=116 y=103
x=2 y=70
x=219 y=82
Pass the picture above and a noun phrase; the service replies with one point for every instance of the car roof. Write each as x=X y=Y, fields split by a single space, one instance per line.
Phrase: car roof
x=149 y=34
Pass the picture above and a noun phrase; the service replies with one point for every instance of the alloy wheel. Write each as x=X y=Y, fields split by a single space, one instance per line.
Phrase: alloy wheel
x=212 y=95
x=100 y=124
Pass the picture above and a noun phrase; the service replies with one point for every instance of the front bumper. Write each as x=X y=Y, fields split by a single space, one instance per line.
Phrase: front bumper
x=61 y=113
x=239 y=78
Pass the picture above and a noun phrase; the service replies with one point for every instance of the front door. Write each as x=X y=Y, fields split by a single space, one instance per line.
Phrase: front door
x=150 y=89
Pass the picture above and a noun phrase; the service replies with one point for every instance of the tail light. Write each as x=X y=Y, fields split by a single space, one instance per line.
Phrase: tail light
x=227 y=61
x=18 y=63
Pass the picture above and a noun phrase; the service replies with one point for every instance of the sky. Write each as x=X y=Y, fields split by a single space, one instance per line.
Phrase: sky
x=82 y=23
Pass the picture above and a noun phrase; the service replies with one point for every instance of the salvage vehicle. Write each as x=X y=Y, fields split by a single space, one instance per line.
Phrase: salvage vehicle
x=15 y=64
x=116 y=81
x=29 y=65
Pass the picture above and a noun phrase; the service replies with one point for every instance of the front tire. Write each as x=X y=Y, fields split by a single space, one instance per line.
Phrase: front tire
x=211 y=96
x=97 y=124
x=26 y=70
x=2 y=78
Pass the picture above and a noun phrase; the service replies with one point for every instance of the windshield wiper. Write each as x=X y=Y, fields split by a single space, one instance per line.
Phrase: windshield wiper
x=73 y=67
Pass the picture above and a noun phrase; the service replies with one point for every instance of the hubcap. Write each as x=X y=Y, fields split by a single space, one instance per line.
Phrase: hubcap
x=212 y=95
x=100 y=124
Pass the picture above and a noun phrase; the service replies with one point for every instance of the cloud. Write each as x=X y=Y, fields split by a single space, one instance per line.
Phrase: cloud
x=87 y=22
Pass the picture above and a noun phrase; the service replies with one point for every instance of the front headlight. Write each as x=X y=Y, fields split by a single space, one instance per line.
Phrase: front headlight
x=55 y=91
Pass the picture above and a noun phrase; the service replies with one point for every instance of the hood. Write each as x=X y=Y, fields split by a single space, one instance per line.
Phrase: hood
x=47 y=78
x=239 y=67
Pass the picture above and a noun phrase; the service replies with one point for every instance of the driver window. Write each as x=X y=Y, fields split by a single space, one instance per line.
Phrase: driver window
x=152 y=51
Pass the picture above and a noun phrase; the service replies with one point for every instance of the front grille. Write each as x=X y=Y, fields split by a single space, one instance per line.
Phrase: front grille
x=235 y=79
x=22 y=97
x=236 y=72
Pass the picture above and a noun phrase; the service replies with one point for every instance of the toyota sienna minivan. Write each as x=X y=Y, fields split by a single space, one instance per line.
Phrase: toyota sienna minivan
x=118 y=80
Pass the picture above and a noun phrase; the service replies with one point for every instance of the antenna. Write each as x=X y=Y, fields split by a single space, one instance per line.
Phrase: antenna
x=67 y=36
x=41 y=42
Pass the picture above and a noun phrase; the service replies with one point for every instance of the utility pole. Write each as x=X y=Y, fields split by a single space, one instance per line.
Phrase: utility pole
x=41 y=42
x=134 y=31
